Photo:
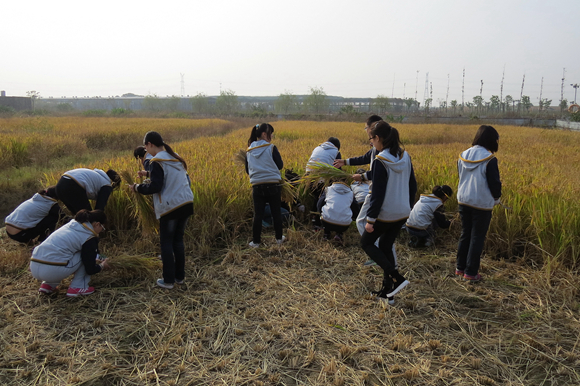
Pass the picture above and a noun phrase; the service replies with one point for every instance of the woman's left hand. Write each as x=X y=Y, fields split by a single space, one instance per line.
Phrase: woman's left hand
x=369 y=227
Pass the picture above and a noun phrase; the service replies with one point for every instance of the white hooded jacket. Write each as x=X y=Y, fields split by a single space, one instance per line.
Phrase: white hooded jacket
x=324 y=153
x=336 y=209
x=473 y=189
x=28 y=214
x=422 y=214
x=90 y=180
x=261 y=166
x=63 y=243
x=176 y=190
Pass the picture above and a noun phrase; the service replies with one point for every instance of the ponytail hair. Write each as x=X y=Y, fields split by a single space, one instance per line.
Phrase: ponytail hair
x=115 y=178
x=443 y=191
x=258 y=130
x=96 y=215
x=155 y=139
x=389 y=137
x=50 y=192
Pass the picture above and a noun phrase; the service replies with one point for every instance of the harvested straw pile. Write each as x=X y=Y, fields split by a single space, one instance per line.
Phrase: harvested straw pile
x=299 y=314
x=321 y=172
x=135 y=266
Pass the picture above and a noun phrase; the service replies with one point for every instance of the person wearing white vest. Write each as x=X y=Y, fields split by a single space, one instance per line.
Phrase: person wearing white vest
x=71 y=249
x=76 y=187
x=324 y=153
x=35 y=217
x=478 y=192
x=173 y=204
x=263 y=165
x=392 y=195
x=427 y=215
x=336 y=205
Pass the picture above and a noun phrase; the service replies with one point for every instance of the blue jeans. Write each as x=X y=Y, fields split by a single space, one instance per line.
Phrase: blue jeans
x=474 y=226
x=172 y=248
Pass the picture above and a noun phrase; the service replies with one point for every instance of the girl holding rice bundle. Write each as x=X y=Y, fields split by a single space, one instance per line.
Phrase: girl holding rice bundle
x=263 y=164
x=427 y=215
x=173 y=204
x=71 y=249
x=479 y=191
x=392 y=194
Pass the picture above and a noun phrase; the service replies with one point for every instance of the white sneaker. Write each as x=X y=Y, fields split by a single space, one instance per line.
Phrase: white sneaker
x=253 y=245
x=161 y=283
x=280 y=241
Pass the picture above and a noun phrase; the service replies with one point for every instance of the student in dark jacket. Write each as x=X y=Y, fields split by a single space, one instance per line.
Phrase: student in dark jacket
x=479 y=191
x=35 y=217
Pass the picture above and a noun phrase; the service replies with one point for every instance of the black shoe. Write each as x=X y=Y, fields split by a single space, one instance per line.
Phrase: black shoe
x=399 y=282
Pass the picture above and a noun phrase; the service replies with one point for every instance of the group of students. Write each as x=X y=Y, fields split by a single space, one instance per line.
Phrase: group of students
x=73 y=248
x=381 y=199
x=389 y=203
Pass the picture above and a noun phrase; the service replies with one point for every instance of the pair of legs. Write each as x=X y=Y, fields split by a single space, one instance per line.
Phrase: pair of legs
x=41 y=230
x=474 y=226
x=361 y=220
x=72 y=195
x=54 y=274
x=171 y=233
x=266 y=194
x=423 y=236
x=329 y=227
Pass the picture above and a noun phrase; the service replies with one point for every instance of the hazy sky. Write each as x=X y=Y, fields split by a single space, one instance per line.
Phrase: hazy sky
x=357 y=48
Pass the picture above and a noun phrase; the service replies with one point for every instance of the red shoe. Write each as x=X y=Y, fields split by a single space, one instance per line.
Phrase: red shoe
x=74 y=292
x=46 y=288
x=472 y=279
x=459 y=272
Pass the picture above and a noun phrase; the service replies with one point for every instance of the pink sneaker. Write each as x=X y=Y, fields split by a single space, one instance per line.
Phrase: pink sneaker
x=46 y=288
x=472 y=279
x=459 y=272
x=74 y=292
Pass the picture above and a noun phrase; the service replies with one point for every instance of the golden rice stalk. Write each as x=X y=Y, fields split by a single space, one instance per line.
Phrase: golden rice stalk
x=321 y=172
x=135 y=266
x=240 y=157
x=289 y=194
x=142 y=205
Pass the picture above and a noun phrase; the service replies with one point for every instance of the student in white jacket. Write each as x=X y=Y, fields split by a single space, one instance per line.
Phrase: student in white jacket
x=392 y=195
x=479 y=191
x=427 y=215
x=71 y=249
x=35 y=217
x=336 y=205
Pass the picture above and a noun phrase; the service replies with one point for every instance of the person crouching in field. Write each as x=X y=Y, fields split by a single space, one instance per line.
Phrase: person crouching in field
x=479 y=191
x=361 y=191
x=427 y=215
x=336 y=206
x=76 y=187
x=35 y=217
x=173 y=203
x=71 y=249
x=263 y=165
x=392 y=194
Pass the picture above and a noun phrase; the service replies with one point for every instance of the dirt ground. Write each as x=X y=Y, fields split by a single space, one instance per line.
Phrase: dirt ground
x=299 y=314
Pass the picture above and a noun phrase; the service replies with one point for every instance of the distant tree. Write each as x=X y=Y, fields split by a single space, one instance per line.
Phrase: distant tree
x=563 y=105
x=172 y=103
x=316 y=101
x=200 y=104
x=442 y=104
x=131 y=95
x=454 y=105
x=509 y=101
x=64 y=107
x=152 y=102
x=428 y=102
x=494 y=102
x=381 y=103
x=478 y=102
x=34 y=95
x=526 y=103
x=227 y=102
x=409 y=102
x=545 y=103
x=286 y=103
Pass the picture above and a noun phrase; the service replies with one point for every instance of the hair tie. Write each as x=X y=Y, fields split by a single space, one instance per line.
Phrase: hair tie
x=258 y=126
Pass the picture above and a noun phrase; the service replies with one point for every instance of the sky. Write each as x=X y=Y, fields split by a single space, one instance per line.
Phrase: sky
x=362 y=48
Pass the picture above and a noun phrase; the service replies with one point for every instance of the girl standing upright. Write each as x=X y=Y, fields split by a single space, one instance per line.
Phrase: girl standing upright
x=263 y=164
x=173 y=202
x=393 y=192
x=479 y=191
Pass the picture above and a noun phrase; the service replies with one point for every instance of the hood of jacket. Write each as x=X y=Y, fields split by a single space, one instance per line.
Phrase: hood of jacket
x=168 y=160
x=341 y=188
x=395 y=164
x=258 y=148
x=328 y=145
x=474 y=156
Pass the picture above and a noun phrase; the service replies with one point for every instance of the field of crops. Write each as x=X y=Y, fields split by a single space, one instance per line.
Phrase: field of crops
x=299 y=315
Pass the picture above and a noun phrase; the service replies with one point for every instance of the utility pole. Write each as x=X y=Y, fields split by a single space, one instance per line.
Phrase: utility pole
x=481 y=89
x=416 y=85
x=182 y=84
x=426 y=93
x=562 y=89
x=575 y=90
x=501 y=88
x=541 y=90
x=447 y=95
x=522 y=92
x=463 y=90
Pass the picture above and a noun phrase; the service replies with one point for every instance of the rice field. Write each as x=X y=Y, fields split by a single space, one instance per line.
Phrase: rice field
x=301 y=314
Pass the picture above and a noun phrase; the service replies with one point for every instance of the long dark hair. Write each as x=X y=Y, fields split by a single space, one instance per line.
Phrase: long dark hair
x=115 y=178
x=389 y=137
x=372 y=119
x=96 y=215
x=154 y=138
x=443 y=191
x=487 y=137
x=50 y=192
x=258 y=130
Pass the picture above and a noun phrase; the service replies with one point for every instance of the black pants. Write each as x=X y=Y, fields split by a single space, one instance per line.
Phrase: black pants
x=328 y=227
x=383 y=255
x=72 y=195
x=263 y=194
x=41 y=230
x=171 y=233
x=474 y=226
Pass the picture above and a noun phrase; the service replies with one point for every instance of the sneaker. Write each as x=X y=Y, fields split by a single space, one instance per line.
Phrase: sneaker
x=369 y=263
x=161 y=283
x=398 y=285
x=380 y=295
x=459 y=272
x=472 y=279
x=46 y=288
x=180 y=282
x=414 y=242
x=338 y=239
x=280 y=241
x=74 y=292
x=253 y=244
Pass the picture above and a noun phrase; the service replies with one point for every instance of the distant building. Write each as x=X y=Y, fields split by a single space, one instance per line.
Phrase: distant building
x=17 y=103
